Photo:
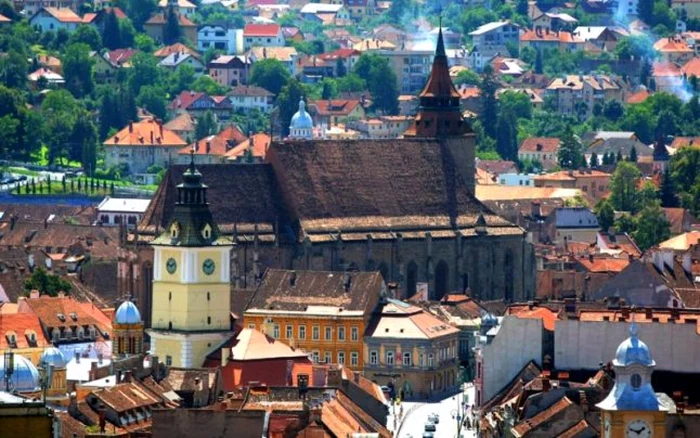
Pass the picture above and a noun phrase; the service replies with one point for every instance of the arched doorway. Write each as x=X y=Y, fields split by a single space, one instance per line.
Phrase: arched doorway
x=411 y=278
x=442 y=272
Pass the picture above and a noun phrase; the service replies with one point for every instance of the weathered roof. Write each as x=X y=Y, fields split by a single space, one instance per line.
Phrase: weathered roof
x=399 y=320
x=23 y=326
x=217 y=144
x=263 y=30
x=540 y=144
x=317 y=292
x=252 y=344
x=373 y=184
x=145 y=133
x=682 y=242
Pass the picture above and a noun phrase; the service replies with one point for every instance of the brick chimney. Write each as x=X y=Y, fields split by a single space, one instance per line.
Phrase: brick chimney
x=103 y=420
x=131 y=126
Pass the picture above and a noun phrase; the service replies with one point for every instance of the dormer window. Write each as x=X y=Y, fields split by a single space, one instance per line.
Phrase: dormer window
x=61 y=317
x=73 y=316
x=11 y=339
x=175 y=230
x=206 y=231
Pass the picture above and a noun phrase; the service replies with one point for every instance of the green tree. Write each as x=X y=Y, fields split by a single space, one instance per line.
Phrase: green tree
x=206 y=125
x=46 y=283
x=467 y=77
x=489 y=111
x=633 y=155
x=665 y=125
x=521 y=7
x=652 y=227
x=640 y=120
x=77 y=69
x=613 y=110
x=14 y=69
x=667 y=191
x=513 y=102
x=181 y=79
x=269 y=74
x=623 y=187
x=329 y=89
x=84 y=142
x=171 y=30
x=383 y=87
x=139 y=11
x=288 y=103
x=507 y=136
x=606 y=214
x=351 y=83
x=594 y=160
x=645 y=9
x=340 y=69
x=570 y=155
x=205 y=84
x=144 y=71
x=111 y=33
x=647 y=195
x=86 y=34
x=127 y=33
x=152 y=99
x=538 y=62
x=685 y=168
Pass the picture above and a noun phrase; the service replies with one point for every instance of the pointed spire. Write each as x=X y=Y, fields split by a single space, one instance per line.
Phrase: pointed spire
x=440 y=50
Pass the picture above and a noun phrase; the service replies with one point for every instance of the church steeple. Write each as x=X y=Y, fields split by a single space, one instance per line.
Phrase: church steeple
x=439 y=113
x=192 y=224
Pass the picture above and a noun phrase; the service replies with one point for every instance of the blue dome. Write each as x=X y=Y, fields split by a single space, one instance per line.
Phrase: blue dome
x=53 y=356
x=632 y=351
x=301 y=119
x=127 y=313
x=25 y=377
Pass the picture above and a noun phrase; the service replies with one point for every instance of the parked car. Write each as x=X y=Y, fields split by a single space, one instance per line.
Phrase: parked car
x=430 y=427
x=7 y=180
x=434 y=418
x=428 y=435
x=21 y=178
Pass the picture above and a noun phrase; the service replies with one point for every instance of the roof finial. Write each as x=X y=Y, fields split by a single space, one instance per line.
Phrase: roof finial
x=440 y=50
x=633 y=326
x=192 y=151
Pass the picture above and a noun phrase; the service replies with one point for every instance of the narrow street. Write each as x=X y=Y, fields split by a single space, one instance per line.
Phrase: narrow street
x=416 y=415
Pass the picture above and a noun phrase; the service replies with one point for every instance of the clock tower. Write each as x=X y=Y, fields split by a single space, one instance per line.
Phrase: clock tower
x=191 y=312
x=632 y=409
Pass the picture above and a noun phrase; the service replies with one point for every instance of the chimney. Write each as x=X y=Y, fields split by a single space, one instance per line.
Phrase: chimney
x=34 y=293
x=536 y=209
x=160 y=128
x=131 y=126
x=208 y=147
x=118 y=375
x=624 y=311
x=292 y=278
x=127 y=376
x=649 y=313
x=46 y=223
x=103 y=421
x=99 y=358
x=152 y=137
x=583 y=401
x=13 y=219
x=546 y=384
x=347 y=281
x=590 y=257
x=154 y=367
x=77 y=357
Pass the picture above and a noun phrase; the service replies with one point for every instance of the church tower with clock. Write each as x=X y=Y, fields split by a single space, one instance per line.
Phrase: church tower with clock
x=632 y=409
x=191 y=280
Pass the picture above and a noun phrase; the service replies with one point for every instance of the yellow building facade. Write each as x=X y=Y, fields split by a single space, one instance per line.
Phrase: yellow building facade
x=191 y=281
x=326 y=339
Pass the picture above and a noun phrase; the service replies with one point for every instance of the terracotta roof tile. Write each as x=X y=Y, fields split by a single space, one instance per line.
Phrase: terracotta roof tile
x=120 y=57
x=692 y=67
x=218 y=144
x=666 y=69
x=145 y=133
x=166 y=51
x=682 y=242
x=540 y=144
x=547 y=315
x=49 y=310
x=530 y=424
x=183 y=122
x=680 y=142
x=23 y=326
x=261 y=30
x=335 y=107
x=638 y=97
x=249 y=90
x=64 y=15
x=672 y=44
x=261 y=142
x=126 y=396
x=160 y=19
x=250 y=344
x=604 y=264
x=563 y=37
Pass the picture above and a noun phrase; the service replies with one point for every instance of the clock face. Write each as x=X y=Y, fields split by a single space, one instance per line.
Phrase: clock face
x=171 y=265
x=638 y=429
x=208 y=266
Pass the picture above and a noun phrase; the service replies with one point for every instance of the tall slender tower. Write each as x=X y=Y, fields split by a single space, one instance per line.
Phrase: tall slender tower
x=439 y=116
x=191 y=312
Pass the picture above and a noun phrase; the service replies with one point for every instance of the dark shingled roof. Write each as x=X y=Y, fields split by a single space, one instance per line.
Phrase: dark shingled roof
x=374 y=184
x=240 y=196
x=295 y=291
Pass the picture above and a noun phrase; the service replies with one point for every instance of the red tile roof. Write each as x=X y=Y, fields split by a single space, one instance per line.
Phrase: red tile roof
x=563 y=37
x=666 y=69
x=540 y=144
x=604 y=264
x=692 y=67
x=217 y=144
x=261 y=30
x=530 y=424
x=145 y=133
x=672 y=44
x=638 y=97
x=336 y=107
x=120 y=56
x=680 y=142
x=261 y=142
x=160 y=19
x=49 y=310
x=64 y=15
x=342 y=53
x=166 y=51
x=547 y=315
x=22 y=325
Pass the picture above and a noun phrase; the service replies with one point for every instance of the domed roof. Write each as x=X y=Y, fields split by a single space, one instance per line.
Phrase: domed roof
x=632 y=351
x=53 y=356
x=25 y=376
x=301 y=119
x=127 y=313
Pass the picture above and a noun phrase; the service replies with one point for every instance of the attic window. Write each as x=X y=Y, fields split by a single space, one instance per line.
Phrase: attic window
x=206 y=231
x=73 y=316
x=61 y=317
x=174 y=230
